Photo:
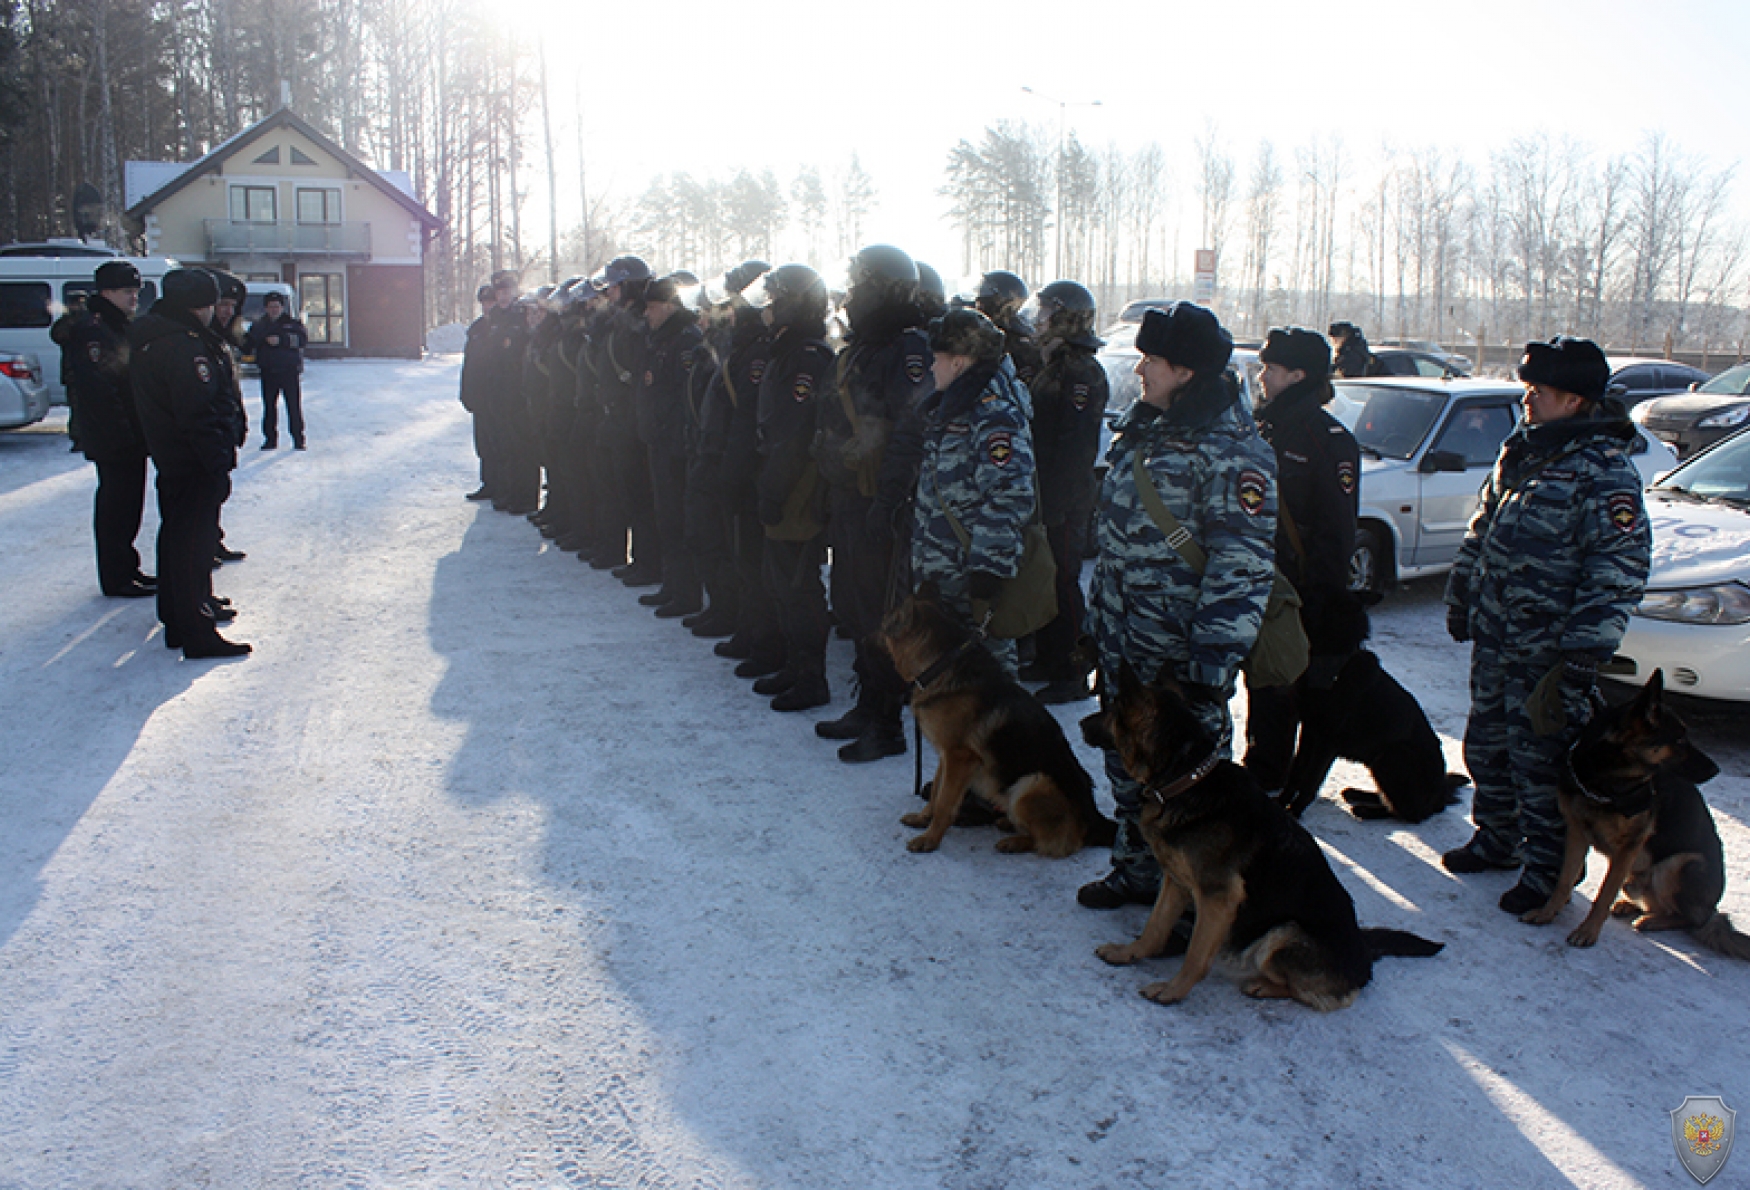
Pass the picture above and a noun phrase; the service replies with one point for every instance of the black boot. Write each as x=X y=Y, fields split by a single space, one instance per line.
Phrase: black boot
x=1476 y=856
x=760 y=665
x=1064 y=690
x=807 y=692
x=849 y=726
x=878 y=741
x=1114 y=889
x=774 y=683
x=736 y=648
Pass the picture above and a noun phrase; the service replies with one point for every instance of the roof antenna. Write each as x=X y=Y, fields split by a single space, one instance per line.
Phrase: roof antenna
x=285 y=93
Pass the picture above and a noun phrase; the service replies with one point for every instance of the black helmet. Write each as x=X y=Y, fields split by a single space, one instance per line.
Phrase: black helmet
x=967 y=332
x=1000 y=295
x=886 y=270
x=1067 y=312
x=630 y=273
x=744 y=274
x=795 y=293
x=932 y=294
x=485 y=294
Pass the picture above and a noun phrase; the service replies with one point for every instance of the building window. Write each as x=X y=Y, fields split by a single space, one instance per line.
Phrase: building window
x=318 y=206
x=254 y=204
x=271 y=157
x=299 y=157
x=24 y=304
x=323 y=296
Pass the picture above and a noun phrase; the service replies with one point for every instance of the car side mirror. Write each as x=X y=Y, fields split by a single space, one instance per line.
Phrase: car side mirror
x=1441 y=460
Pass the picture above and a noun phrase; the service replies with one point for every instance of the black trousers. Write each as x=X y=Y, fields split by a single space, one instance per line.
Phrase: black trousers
x=1055 y=643
x=862 y=566
x=668 y=503
x=120 y=503
x=792 y=575
x=273 y=385
x=188 y=533
x=1272 y=729
x=710 y=523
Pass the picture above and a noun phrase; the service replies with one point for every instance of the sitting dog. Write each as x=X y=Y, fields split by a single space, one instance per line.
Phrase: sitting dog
x=1630 y=791
x=991 y=736
x=1263 y=891
x=1350 y=707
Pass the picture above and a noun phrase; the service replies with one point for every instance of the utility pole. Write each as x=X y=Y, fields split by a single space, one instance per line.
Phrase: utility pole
x=1063 y=107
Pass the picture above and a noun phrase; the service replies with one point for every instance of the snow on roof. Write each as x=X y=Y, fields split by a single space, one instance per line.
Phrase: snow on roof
x=400 y=179
x=140 y=178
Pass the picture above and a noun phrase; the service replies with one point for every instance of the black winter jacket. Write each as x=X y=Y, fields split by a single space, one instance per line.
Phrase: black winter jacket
x=95 y=370
x=1318 y=476
x=285 y=357
x=1069 y=404
x=181 y=393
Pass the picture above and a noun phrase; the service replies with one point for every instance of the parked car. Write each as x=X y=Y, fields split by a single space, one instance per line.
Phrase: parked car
x=1406 y=361
x=1133 y=311
x=1426 y=447
x=1459 y=364
x=1694 y=620
x=24 y=398
x=1697 y=419
x=1635 y=380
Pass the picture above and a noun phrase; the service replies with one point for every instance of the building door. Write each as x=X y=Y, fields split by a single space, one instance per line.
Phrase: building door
x=323 y=296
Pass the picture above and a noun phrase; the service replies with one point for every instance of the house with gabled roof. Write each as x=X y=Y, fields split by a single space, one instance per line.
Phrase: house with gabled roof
x=279 y=201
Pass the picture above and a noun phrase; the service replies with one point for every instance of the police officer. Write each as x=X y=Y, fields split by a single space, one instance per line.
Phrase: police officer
x=190 y=428
x=793 y=300
x=564 y=517
x=624 y=461
x=975 y=490
x=1070 y=393
x=1354 y=359
x=1553 y=563
x=538 y=414
x=882 y=372
x=474 y=395
x=225 y=333
x=932 y=294
x=96 y=375
x=277 y=340
x=1318 y=469
x=1001 y=294
x=663 y=428
x=1200 y=452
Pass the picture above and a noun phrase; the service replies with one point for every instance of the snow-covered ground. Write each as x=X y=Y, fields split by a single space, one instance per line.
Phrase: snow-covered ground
x=476 y=874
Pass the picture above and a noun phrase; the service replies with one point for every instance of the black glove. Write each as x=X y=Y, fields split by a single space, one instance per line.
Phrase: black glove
x=1458 y=624
x=982 y=586
x=1563 y=696
x=771 y=512
x=1198 y=692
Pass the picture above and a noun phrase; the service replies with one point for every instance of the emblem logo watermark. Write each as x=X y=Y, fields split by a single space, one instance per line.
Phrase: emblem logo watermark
x=1702 y=1129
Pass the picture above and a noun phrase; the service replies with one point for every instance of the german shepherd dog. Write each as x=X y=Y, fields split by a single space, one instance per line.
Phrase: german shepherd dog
x=1360 y=713
x=1263 y=891
x=1629 y=790
x=991 y=736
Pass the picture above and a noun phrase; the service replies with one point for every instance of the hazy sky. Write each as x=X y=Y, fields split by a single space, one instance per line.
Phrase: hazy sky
x=712 y=87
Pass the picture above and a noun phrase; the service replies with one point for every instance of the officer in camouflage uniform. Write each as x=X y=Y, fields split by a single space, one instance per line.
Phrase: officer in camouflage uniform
x=977 y=466
x=1149 y=606
x=879 y=376
x=1555 y=560
x=793 y=301
x=1069 y=405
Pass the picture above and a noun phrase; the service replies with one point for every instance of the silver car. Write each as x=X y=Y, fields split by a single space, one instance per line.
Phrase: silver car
x=24 y=397
x=1426 y=447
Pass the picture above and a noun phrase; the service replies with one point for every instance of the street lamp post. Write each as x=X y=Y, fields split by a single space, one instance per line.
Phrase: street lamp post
x=1063 y=107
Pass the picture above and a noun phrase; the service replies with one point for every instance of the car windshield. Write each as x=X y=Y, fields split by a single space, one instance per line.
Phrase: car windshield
x=1388 y=422
x=1723 y=473
x=1733 y=382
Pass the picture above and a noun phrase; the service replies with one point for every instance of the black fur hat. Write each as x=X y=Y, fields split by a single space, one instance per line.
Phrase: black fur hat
x=966 y=332
x=189 y=289
x=1298 y=350
x=1572 y=365
x=1186 y=335
x=116 y=274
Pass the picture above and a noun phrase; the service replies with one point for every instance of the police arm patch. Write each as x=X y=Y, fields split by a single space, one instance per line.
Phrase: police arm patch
x=1625 y=512
x=1252 y=486
x=203 y=369
x=1001 y=447
x=914 y=368
x=95 y=351
x=1078 y=396
x=757 y=370
x=1346 y=477
x=803 y=388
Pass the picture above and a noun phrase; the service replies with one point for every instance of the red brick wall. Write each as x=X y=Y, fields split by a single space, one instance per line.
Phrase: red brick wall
x=385 y=310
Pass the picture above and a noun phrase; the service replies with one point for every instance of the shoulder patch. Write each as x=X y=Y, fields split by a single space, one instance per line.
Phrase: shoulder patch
x=914 y=368
x=95 y=350
x=756 y=371
x=1252 y=486
x=803 y=388
x=1078 y=396
x=1001 y=447
x=1625 y=512
x=203 y=368
x=1346 y=477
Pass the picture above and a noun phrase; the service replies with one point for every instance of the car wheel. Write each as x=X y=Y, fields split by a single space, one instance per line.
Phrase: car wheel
x=1370 y=565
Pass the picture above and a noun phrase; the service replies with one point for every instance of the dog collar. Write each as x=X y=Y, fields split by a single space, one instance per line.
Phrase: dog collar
x=1173 y=788
x=1616 y=803
x=942 y=664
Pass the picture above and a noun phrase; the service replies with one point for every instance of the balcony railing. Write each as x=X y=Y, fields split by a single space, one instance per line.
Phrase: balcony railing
x=231 y=237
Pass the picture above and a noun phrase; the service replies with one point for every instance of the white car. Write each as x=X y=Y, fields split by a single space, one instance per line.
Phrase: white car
x=1694 y=621
x=24 y=398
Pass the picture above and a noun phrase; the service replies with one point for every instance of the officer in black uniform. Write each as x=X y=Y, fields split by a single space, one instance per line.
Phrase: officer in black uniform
x=187 y=416
x=882 y=372
x=475 y=396
x=621 y=452
x=663 y=417
x=225 y=332
x=1069 y=403
x=1001 y=294
x=932 y=294
x=95 y=370
x=563 y=516
x=794 y=302
x=1318 y=477
x=539 y=414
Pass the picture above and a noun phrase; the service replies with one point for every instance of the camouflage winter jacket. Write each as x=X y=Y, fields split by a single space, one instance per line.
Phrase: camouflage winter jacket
x=1218 y=477
x=977 y=465
x=1557 y=553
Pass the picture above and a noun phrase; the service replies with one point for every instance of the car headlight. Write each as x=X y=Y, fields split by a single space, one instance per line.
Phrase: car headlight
x=1725 y=419
x=1728 y=603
